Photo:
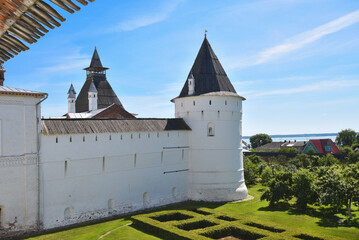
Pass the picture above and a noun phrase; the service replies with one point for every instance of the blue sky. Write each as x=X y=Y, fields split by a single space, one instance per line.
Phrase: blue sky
x=296 y=61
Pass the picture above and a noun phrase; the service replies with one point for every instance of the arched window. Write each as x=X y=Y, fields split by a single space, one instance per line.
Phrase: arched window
x=210 y=129
x=146 y=199
x=111 y=205
x=68 y=213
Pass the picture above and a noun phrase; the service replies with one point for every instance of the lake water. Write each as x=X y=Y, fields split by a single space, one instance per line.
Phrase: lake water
x=298 y=137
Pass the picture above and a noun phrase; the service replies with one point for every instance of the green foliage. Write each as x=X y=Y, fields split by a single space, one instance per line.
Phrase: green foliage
x=255 y=159
x=311 y=151
x=301 y=161
x=355 y=144
x=345 y=149
x=251 y=171
x=346 y=137
x=280 y=188
x=328 y=160
x=266 y=175
x=352 y=157
x=259 y=140
x=339 y=186
x=287 y=150
x=303 y=188
x=223 y=226
x=279 y=160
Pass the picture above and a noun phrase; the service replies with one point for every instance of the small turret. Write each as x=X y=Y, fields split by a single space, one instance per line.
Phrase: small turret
x=191 y=84
x=2 y=74
x=92 y=96
x=71 y=97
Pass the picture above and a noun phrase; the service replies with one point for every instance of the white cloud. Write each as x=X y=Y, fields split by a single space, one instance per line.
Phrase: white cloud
x=69 y=63
x=301 y=40
x=146 y=20
x=319 y=86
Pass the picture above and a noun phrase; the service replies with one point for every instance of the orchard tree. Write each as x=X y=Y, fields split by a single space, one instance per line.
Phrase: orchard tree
x=339 y=186
x=304 y=189
x=280 y=188
x=346 y=137
x=259 y=140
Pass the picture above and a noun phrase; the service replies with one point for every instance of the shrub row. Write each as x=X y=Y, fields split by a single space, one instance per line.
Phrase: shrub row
x=191 y=224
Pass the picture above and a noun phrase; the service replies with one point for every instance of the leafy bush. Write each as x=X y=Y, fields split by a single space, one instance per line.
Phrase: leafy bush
x=250 y=172
x=267 y=175
x=261 y=226
x=303 y=188
x=353 y=157
x=355 y=144
x=280 y=188
x=345 y=149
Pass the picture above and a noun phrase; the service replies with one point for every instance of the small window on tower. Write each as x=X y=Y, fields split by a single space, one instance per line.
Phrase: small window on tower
x=210 y=129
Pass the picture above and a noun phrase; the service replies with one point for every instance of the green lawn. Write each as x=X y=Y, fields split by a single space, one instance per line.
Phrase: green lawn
x=316 y=220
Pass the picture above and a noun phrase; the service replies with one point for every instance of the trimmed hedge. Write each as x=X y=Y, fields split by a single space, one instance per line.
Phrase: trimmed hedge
x=193 y=224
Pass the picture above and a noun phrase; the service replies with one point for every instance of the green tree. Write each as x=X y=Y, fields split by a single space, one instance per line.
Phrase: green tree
x=346 y=137
x=355 y=144
x=304 y=189
x=328 y=160
x=267 y=175
x=345 y=149
x=352 y=157
x=280 y=188
x=255 y=159
x=338 y=186
x=259 y=140
x=251 y=171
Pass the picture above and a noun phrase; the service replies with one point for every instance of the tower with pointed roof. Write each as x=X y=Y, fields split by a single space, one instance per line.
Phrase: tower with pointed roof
x=92 y=95
x=210 y=105
x=71 y=97
x=96 y=73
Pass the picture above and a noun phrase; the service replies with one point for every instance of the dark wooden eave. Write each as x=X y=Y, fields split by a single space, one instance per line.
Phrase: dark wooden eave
x=88 y=126
x=26 y=21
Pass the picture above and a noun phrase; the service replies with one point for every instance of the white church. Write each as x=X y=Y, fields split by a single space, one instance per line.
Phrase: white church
x=99 y=160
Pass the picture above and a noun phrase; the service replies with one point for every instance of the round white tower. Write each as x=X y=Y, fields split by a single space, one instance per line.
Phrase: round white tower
x=71 y=98
x=92 y=95
x=214 y=113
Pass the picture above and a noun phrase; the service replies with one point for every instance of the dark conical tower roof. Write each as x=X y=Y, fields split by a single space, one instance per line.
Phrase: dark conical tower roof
x=96 y=76
x=208 y=73
x=96 y=64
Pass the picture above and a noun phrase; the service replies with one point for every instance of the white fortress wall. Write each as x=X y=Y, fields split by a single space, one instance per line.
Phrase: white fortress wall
x=18 y=159
x=89 y=176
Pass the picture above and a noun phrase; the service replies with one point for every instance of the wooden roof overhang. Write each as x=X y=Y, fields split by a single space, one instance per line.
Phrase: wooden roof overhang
x=25 y=21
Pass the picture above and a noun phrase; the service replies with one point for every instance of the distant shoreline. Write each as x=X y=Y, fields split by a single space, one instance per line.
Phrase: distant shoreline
x=300 y=135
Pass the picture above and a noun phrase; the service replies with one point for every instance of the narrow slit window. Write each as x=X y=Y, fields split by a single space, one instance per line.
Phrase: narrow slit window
x=83 y=138
x=96 y=138
x=57 y=140
x=194 y=103
x=210 y=102
x=103 y=163
x=210 y=130
x=70 y=139
x=110 y=137
x=66 y=168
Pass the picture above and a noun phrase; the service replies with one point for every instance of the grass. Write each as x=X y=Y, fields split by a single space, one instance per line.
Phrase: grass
x=314 y=220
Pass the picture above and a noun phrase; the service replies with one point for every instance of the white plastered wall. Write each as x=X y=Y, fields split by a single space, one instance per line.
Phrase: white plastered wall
x=116 y=174
x=18 y=158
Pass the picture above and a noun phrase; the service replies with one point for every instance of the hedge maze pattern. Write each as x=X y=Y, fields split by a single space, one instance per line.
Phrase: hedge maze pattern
x=207 y=224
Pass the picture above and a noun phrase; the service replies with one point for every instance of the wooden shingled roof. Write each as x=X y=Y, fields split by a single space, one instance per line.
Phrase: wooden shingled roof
x=83 y=126
x=24 y=21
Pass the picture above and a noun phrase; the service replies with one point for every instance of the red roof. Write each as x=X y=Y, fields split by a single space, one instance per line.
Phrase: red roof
x=321 y=143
